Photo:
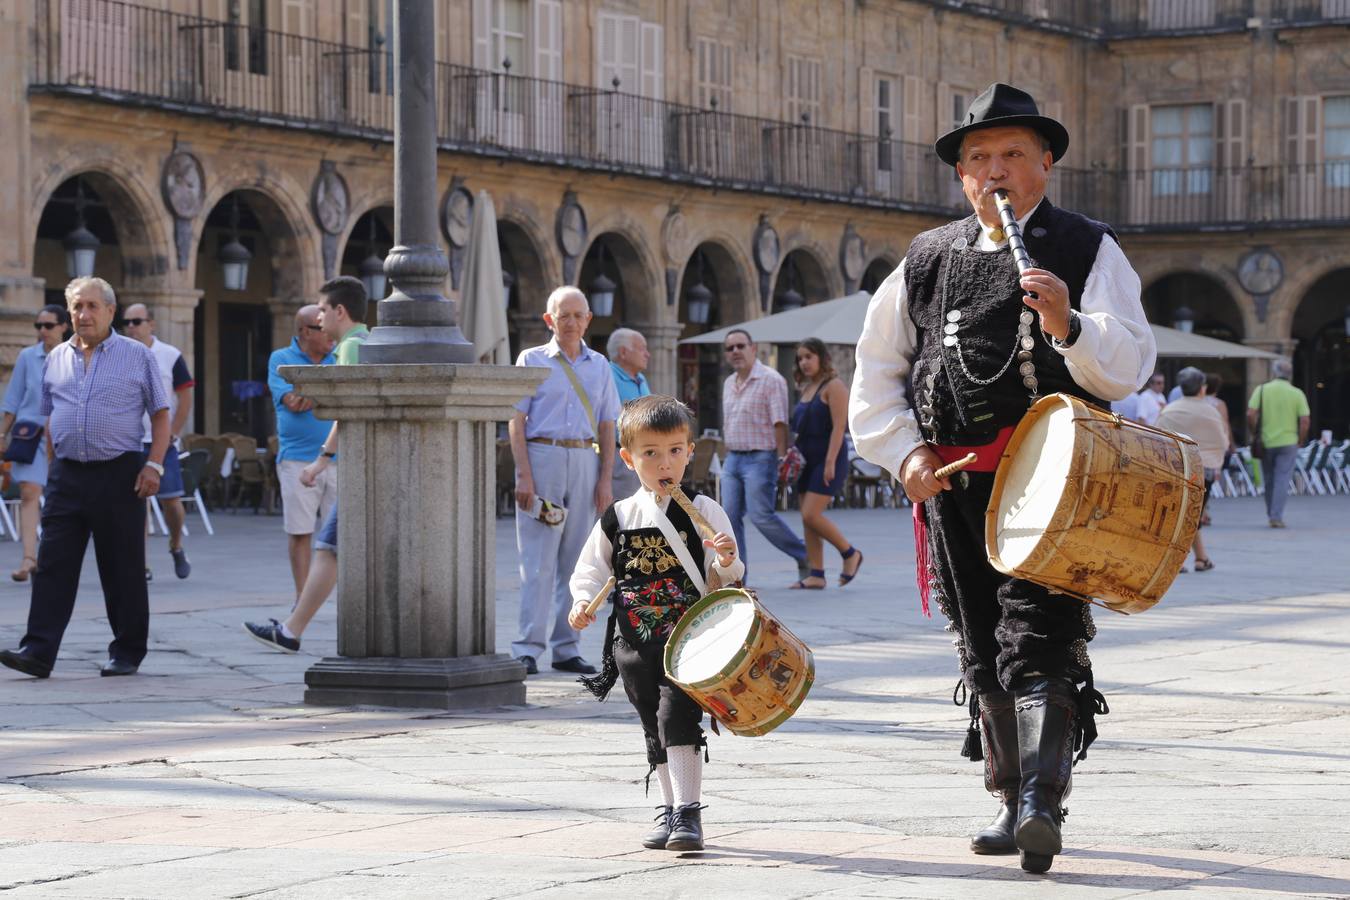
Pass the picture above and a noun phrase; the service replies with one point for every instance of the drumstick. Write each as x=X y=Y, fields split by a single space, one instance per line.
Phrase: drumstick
x=703 y=525
x=601 y=597
x=953 y=468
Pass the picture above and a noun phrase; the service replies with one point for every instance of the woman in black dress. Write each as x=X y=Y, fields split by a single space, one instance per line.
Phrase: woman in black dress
x=819 y=420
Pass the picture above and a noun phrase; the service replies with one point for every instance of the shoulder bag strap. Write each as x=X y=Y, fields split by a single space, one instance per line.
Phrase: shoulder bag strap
x=583 y=397
x=693 y=570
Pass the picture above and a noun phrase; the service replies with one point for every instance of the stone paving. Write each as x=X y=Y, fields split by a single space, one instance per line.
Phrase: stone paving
x=1221 y=771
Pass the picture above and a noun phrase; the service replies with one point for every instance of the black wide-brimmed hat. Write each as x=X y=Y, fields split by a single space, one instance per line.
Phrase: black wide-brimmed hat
x=1002 y=106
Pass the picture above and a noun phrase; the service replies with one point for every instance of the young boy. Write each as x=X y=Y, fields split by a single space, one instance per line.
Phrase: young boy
x=652 y=592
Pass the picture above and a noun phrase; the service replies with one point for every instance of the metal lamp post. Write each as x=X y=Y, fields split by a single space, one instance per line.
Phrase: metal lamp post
x=234 y=256
x=80 y=244
x=1184 y=319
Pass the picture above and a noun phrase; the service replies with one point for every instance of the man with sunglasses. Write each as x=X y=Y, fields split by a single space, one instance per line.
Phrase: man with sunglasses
x=139 y=322
x=300 y=437
x=754 y=427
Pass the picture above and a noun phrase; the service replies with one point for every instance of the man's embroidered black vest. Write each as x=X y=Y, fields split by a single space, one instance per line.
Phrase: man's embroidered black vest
x=945 y=271
x=651 y=588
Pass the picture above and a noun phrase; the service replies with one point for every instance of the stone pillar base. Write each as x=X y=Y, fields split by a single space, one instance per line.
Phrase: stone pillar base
x=465 y=682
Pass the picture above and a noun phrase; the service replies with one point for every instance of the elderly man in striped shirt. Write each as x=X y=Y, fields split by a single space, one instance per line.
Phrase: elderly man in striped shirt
x=95 y=389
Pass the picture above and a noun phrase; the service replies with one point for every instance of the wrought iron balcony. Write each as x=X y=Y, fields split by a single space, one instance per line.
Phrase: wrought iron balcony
x=129 y=54
x=1118 y=19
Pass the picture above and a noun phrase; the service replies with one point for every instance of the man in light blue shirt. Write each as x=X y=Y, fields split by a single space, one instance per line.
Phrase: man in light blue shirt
x=562 y=440
x=628 y=357
x=300 y=437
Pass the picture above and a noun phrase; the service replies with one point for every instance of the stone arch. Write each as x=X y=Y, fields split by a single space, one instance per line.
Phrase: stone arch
x=524 y=259
x=639 y=299
x=643 y=279
x=358 y=245
x=525 y=216
x=1322 y=350
x=286 y=221
x=1298 y=283
x=877 y=271
x=138 y=219
x=803 y=269
x=734 y=268
x=1217 y=311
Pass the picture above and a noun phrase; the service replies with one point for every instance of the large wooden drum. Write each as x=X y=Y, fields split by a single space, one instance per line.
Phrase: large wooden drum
x=739 y=663
x=1092 y=505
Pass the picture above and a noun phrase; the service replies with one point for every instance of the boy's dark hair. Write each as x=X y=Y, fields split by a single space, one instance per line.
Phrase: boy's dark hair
x=349 y=293
x=655 y=412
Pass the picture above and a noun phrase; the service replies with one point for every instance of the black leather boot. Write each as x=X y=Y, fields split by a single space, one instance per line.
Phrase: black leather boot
x=686 y=828
x=660 y=833
x=1047 y=711
x=1002 y=771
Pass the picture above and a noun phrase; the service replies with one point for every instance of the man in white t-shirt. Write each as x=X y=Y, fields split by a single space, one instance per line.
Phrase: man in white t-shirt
x=178 y=384
x=1149 y=402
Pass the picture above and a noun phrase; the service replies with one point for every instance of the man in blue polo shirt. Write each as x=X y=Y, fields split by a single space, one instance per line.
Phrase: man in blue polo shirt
x=628 y=357
x=300 y=435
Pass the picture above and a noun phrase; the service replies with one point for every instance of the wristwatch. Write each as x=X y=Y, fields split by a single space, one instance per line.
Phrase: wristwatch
x=1075 y=329
x=158 y=467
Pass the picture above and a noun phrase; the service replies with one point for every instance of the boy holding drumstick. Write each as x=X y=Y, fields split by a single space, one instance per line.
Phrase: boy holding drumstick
x=653 y=587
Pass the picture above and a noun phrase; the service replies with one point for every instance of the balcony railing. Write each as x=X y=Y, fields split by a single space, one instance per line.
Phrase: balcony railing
x=1142 y=18
x=131 y=54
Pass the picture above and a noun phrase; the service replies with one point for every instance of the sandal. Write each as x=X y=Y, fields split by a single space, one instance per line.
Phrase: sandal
x=845 y=577
x=1204 y=565
x=803 y=586
x=24 y=570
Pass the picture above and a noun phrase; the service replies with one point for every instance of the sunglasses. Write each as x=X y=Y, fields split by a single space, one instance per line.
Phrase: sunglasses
x=135 y=322
x=732 y=348
x=45 y=326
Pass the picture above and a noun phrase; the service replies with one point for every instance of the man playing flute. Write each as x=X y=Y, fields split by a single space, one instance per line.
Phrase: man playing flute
x=955 y=347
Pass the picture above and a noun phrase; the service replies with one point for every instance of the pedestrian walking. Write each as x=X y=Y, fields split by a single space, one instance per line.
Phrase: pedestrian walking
x=23 y=426
x=95 y=389
x=139 y=325
x=562 y=440
x=652 y=590
x=938 y=379
x=1214 y=384
x=629 y=358
x=1193 y=416
x=300 y=437
x=1278 y=418
x=820 y=421
x=755 y=431
x=1149 y=402
x=342 y=316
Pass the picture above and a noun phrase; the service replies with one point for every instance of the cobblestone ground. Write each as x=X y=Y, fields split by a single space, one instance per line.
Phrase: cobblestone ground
x=1223 y=769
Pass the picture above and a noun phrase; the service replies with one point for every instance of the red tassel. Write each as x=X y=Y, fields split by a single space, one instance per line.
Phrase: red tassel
x=921 y=555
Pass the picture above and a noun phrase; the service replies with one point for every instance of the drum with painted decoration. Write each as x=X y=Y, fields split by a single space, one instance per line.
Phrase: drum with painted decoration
x=739 y=663
x=1092 y=505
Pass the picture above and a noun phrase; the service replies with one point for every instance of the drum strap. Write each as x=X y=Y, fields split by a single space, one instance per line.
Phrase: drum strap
x=681 y=549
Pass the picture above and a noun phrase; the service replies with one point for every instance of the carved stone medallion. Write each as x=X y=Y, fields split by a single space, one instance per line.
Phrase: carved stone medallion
x=1260 y=272
x=675 y=237
x=767 y=249
x=571 y=226
x=457 y=214
x=852 y=254
x=328 y=199
x=183 y=184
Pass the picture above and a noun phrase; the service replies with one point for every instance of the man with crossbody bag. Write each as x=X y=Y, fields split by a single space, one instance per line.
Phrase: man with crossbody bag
x=562 y=441
x=1278 y=418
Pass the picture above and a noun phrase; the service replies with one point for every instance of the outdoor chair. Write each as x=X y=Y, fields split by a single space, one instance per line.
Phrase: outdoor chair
x=248 y=474
x=194 y=465
x=864 y=485
x=9 y=512
x=699 y=475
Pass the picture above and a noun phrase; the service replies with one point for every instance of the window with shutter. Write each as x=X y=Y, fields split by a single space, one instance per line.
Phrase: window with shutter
x=803 y=89
x=712 y=76
x=1181 y=150
x=1336 y=142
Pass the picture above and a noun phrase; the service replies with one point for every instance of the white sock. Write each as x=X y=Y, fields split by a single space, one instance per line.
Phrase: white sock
x=686 y=770
x=286 y=632
x=667 y=792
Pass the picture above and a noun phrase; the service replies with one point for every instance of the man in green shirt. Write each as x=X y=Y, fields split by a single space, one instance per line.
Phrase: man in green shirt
x=342 y=314
x=1281 y=412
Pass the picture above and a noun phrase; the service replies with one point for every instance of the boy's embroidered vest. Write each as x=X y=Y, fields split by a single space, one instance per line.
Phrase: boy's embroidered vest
x=651 y=588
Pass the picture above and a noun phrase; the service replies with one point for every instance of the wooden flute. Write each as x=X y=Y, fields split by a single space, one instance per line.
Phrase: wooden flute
x=682 y=499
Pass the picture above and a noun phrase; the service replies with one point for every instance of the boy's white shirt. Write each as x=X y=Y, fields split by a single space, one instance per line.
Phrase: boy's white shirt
x=593 y=566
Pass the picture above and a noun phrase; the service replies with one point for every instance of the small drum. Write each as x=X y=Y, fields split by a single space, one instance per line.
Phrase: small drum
x=739 y=663
x=1088 y=504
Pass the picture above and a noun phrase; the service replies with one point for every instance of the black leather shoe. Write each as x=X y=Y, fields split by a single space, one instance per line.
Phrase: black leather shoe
x=117 y=667
x=660 y=833
x=22 y=661
x=1002 y=771
x=997 y=837
x=531 y=667
x=1046 y=716
x=686 y=828
x=575 y=664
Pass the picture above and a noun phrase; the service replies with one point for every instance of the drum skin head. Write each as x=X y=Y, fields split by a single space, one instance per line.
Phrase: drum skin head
x=1035 y=484
x=709 y=643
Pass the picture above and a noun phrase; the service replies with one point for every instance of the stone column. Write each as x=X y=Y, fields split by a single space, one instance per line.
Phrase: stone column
x=416 y=533
x=663 y=344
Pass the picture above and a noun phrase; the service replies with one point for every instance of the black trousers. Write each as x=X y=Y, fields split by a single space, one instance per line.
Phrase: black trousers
x=95 y=500
x=1008 y=627
x=669 y=717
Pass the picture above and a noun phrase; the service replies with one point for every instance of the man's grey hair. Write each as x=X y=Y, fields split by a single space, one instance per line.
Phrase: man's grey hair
x=1282 y=368
x=79 y=284
x=1191 y=380
x=621 y=339
x=556 y=298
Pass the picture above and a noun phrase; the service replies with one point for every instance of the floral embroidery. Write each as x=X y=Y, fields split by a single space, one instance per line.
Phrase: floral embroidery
x=653 y=608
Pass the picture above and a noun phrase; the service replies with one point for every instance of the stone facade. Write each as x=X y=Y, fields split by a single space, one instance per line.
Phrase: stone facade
x=1271 y=97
